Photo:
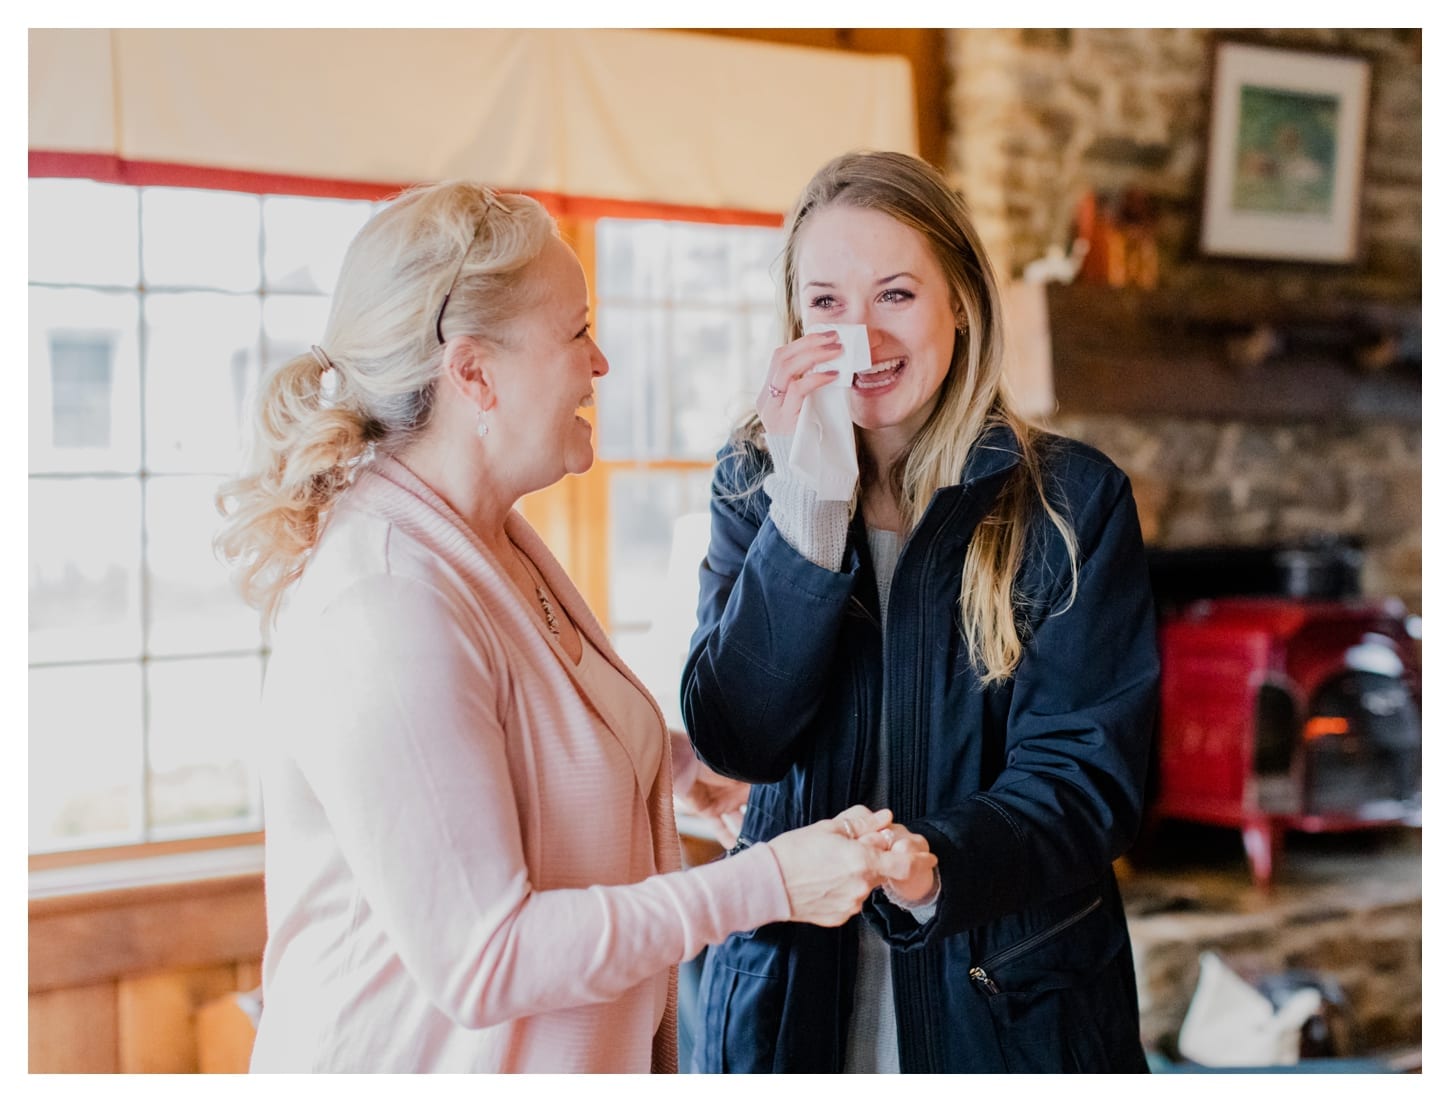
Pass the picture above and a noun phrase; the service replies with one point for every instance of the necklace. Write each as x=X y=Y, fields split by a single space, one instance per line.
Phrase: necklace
x=544 y=603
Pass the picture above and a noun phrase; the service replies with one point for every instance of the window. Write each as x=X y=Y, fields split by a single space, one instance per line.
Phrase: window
x=687 y=317
x=152 y=312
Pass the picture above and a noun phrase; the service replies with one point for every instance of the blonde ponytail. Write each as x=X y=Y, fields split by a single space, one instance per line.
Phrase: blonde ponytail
x=305 y=454
x=383 y=355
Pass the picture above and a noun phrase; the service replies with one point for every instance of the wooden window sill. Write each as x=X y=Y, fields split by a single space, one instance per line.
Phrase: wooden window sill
x=157 y=875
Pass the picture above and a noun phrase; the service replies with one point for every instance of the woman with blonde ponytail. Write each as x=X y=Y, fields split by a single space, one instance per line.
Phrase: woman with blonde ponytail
x=471 y=856
x=967 y=638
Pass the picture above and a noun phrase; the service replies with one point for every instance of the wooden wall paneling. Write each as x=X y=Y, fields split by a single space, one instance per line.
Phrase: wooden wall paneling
x=74 y=1030
x=156 y=1017
x=116 y=977
x=224 y=1037
x=225 y=1029
x=83 y=939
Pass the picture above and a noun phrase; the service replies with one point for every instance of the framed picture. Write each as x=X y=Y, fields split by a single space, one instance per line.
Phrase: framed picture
x=1285 y=154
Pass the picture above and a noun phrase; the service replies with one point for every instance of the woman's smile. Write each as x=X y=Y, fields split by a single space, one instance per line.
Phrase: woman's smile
x=881 y=378
x=586 y=403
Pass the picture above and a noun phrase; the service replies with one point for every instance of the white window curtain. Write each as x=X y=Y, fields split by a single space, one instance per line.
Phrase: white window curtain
x=649 y=116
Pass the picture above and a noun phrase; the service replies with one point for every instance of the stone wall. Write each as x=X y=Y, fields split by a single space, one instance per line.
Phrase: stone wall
x=1351 y=916
x=1041 y=116
x=1204 y=482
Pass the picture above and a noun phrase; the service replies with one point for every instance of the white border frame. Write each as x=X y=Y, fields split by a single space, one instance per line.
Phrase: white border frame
x=1297 y=237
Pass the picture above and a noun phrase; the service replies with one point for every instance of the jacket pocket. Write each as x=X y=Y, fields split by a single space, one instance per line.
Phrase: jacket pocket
x=1062 y=997
x=1050 y=957
x=742 y=998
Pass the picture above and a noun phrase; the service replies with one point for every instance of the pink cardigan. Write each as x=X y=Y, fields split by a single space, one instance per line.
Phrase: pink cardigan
x=463 y=871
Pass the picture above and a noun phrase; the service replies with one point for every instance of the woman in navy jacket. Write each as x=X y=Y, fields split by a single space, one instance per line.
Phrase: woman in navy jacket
x=969 y=641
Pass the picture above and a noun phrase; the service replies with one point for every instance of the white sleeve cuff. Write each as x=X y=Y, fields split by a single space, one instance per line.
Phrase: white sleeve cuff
x=815 y=528
x=922 y=909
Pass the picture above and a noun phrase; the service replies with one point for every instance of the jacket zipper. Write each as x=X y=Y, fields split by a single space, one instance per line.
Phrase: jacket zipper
x=921 y=1055
x=858 y=754
x=921 y=1049
x=979 y=972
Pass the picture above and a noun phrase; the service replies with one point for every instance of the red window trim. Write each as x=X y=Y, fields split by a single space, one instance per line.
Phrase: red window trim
x=117 y=170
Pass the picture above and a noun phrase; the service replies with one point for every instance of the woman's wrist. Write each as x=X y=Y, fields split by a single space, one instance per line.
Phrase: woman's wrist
x=921 y=909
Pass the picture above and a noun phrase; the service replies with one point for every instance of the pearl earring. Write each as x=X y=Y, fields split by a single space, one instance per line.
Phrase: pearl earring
x=482 y=427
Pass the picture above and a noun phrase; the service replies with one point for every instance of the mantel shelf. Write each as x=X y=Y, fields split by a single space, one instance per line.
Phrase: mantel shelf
x=1226 y=356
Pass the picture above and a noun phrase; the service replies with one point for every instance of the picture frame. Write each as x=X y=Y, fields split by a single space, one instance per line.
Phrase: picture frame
x=1284 y=168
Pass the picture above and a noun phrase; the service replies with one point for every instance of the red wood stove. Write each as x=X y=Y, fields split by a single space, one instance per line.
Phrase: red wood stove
x=1292 y=709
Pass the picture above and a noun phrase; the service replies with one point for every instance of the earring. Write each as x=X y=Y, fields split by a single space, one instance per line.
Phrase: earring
x=482 y=426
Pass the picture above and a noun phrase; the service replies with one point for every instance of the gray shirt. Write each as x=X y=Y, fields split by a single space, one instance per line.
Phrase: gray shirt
x=871 y=1036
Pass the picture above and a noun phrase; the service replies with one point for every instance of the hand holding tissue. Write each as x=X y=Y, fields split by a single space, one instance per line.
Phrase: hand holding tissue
x=823 y=452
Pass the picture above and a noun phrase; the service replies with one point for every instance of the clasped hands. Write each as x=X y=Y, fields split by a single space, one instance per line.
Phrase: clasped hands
x=830 y=867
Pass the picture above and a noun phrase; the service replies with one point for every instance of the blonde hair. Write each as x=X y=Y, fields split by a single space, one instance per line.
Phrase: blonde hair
x=971 y=400
x=315 y=427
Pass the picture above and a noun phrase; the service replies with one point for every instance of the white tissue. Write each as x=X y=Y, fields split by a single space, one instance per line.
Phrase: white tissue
x=823 y=452
x=855 y=354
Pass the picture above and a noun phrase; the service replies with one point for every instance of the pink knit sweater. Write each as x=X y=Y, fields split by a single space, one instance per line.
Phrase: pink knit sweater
x=463 y=871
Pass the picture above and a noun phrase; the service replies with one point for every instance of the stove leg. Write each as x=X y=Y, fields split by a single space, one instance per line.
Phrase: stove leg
x=1264 y=844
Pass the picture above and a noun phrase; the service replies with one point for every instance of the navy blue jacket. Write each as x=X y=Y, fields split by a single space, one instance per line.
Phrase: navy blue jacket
x=1027 y=791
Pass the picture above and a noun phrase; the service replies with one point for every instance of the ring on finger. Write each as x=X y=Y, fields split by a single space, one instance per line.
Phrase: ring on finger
x=775 y=391
x=849 y=827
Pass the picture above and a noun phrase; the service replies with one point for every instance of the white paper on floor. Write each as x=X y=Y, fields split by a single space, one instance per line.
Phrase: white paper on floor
x=1231 y=1024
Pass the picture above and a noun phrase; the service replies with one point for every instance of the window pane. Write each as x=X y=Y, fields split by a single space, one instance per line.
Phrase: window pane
x=84 y=232
x=200 y=239
x=758 y=259
x=657 y=283
x=701 y=263
x=659 y=527
x=85 y=568
x=80 y=377
x=201 y=361
x=643 y=508
x=85 y=756
x=291 y=324
x=632 y=260
x=194 y=606
x=306 y=239
x=632 y=397
x=707 y=385
x=647 y=660
x=764 y=333
x=85 y=402
x=203 y=728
